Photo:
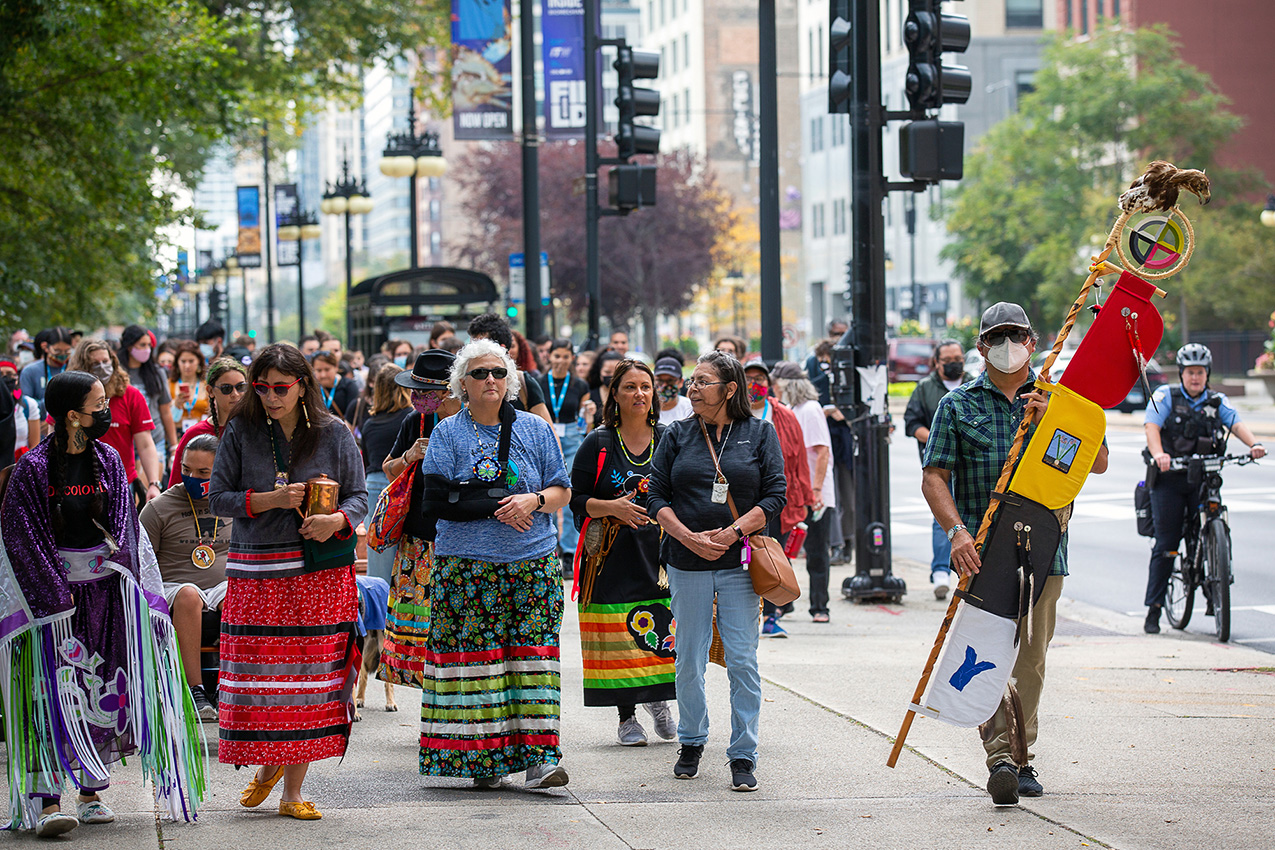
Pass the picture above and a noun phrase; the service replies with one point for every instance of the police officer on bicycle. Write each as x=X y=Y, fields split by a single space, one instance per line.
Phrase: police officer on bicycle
x=1183 y=420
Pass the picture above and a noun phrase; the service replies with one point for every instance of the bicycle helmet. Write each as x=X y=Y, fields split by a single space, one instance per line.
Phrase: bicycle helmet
x=1195 y=354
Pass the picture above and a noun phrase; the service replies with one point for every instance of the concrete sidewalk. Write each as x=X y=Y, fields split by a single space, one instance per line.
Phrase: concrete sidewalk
x=1146 y=742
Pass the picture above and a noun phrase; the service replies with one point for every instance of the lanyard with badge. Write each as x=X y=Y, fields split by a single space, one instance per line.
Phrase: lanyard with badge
x=203 y=556
x=721 y=487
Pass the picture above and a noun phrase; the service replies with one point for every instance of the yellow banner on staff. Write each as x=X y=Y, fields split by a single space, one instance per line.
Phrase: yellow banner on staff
x=1062 y=451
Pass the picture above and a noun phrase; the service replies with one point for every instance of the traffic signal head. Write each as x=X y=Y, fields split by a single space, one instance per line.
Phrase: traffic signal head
x=632 y=186
x=839 y=48
x=633 y=101
x=929 y=34
x=511 y=311
x=932 y=150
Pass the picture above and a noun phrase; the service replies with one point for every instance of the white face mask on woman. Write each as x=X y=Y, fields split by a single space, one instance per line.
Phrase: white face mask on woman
x=1008 y=356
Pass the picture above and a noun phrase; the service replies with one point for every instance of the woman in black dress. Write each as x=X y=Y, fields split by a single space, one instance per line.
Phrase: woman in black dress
x=626 y=624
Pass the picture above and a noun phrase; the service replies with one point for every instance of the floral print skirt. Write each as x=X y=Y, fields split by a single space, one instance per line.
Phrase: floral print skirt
x=490 y=690
x=407 y=625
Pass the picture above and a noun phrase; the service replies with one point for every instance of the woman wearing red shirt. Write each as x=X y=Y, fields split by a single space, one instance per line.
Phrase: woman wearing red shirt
x=131 y=423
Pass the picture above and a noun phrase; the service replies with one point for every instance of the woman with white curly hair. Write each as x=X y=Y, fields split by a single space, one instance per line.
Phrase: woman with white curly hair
x=490 y=691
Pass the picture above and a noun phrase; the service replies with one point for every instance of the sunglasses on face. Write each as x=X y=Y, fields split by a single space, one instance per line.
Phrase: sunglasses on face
x=1017 y=335
x=499 y=373
x=279 y=390
x=241 y=387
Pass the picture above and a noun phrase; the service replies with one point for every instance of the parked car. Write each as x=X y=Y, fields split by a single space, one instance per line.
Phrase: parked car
x=1137 y=397
x=909 y=359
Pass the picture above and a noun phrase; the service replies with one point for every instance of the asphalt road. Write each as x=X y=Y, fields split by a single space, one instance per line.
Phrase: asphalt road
x=1107 y=558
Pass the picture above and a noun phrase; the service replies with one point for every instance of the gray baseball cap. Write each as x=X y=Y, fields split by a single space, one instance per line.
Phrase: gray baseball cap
x=1003 y=314
x=668 y=366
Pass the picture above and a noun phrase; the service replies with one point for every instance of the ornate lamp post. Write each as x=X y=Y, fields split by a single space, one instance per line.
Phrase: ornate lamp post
x=413 y=155
x=1268 y=214
x=299 y=227
x=347 y=197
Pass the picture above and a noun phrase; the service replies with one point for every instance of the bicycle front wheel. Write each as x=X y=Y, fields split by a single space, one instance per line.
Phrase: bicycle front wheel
x=1179 y=599
x=1218 y=552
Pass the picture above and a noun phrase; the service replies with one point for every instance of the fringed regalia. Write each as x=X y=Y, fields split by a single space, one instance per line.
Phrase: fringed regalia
x=89 y=667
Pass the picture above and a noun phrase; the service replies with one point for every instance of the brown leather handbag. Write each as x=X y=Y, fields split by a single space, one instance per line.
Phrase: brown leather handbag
x=773 y=577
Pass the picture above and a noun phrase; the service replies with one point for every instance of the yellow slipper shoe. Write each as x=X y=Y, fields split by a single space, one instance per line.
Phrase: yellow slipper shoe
x=304 y=810
x=257 y=791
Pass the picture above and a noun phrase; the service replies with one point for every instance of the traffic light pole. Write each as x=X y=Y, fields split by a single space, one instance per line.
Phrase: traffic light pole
x=530 y=168
x=873 y=578
x=772 y=306
x=593 y=277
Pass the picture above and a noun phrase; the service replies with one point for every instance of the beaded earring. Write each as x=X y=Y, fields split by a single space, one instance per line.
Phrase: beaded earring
x=305 y=411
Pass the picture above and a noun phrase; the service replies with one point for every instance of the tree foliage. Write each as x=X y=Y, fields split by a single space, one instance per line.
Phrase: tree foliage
x=1039 y=193
x=108 y=108
x=651 y=261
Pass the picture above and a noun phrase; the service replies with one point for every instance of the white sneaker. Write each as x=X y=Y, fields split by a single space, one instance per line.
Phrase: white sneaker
x=665 y=726
x=94 y=811
x=631 y=733
x=55 y=823
x=942 y=583
x=546 y=776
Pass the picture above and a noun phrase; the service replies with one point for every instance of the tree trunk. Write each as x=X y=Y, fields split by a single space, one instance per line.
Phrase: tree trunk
x=650 y=328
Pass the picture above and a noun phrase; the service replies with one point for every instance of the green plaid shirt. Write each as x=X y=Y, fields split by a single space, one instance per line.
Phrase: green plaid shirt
x=972 y=431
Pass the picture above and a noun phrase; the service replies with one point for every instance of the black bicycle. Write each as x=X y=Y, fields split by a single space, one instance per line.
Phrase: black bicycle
x=1204 y=560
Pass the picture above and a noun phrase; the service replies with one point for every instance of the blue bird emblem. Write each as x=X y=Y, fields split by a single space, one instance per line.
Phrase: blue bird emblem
x=971 y=668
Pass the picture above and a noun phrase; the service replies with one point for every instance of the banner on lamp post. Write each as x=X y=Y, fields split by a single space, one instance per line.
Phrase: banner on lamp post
x=562 y=46
x=248 y=248
x=285 y=210
x=482 y=69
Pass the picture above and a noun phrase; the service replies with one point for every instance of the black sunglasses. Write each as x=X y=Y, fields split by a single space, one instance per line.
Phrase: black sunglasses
x=994 y=338
x=499 y=373
x=227 y=389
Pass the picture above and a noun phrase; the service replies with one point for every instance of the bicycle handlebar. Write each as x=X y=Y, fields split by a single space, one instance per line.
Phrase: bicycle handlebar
x=1210 y=463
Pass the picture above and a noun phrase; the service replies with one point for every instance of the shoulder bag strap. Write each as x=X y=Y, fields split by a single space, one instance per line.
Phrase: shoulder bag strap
x=507 y=416
x=730 y=502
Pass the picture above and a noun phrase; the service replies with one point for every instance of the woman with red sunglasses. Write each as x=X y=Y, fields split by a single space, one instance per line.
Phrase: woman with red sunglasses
x=288 y=658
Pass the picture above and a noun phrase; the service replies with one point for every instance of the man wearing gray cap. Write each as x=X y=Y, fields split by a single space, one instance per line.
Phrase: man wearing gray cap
x=969 y=440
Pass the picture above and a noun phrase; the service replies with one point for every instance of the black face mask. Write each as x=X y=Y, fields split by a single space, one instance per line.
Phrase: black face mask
x=953 y=370
x=101 y=424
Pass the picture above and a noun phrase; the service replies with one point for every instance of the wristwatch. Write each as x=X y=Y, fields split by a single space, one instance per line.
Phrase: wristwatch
x=951 y=532
x=540 y=497
x=738 y=531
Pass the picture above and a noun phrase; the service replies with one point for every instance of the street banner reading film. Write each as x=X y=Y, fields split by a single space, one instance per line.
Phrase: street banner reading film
x=248 y=250
x=288 y=251
x=482 y=69
x=562 y=25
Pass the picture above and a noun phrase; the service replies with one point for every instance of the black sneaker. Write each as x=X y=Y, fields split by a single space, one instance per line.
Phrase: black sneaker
x=1152 y=625
x=1003 y=784
x=1028 y=784
x=741 y=775
x=203 y=706
x=688 y=761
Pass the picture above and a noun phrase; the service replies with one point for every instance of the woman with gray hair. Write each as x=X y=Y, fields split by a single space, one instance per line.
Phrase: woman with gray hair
x=796 y=391
x=490 y=690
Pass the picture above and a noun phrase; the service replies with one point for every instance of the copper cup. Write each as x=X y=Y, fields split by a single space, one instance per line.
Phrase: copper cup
x=322 y=496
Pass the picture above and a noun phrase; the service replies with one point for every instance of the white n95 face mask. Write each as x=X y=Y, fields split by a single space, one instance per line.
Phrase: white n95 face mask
x=1008 y=356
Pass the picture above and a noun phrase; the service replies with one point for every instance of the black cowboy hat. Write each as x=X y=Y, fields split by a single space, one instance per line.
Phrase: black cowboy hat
x=431 y=371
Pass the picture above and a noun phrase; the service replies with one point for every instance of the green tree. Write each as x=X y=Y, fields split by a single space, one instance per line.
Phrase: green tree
x=109 y=108
x=1040 y=190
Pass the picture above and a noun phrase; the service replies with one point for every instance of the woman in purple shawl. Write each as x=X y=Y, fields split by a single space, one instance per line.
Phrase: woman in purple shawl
x=88 y=660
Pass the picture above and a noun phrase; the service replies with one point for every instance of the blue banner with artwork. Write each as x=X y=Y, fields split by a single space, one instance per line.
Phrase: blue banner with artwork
x=562 y=46
x=482 y=69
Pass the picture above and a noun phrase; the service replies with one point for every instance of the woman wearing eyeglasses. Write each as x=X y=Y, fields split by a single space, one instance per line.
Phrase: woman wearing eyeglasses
x=721 y=451
x=226 y=383
x=490 y=690
x=288 y=623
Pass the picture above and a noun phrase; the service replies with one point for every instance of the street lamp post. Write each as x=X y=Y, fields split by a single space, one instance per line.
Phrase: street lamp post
x=298 y=227
x=347 y=197
x=412 y=154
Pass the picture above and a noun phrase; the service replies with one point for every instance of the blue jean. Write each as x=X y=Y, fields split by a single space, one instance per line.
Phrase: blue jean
x=942 y=561
x=737 y=621
x=570 y=445
x=379 y=564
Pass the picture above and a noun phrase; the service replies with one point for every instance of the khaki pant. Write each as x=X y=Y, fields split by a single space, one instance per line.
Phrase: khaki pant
x=1028 y=676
